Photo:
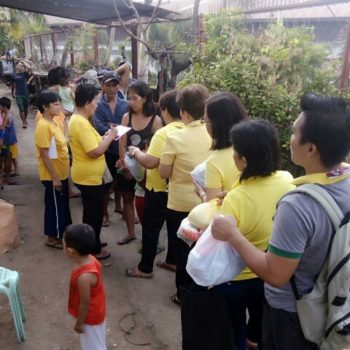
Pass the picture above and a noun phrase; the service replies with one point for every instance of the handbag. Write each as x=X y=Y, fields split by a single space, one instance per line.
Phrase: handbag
x=205 y=319
x=107 y=177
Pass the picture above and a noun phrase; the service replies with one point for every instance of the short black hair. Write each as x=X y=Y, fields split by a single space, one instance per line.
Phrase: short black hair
x=46 y=97
x=224 y=110
x=55 y=74
x=142 y=89
x=80 y=237
x=191 y=99
x=258 y=142
x=84 y=94
x=168 y=101
x=326 y=124
x=5 y=102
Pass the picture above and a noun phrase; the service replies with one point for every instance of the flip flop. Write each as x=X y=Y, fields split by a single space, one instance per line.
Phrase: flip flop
x=120 y=211
x=56 y=245
x=166 y=266
x=160 y=249
x=102 y=255
x=175 y=299
x=105 y=223
x=126 y=240
x=135 y=273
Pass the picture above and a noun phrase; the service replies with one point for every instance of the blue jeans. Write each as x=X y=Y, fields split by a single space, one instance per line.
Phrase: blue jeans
x=243 y=295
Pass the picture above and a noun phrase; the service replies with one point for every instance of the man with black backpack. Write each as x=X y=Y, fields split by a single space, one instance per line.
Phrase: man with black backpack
x=300 y=247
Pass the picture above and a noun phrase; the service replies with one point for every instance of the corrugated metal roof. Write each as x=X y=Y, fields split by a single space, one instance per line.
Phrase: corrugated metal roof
x=96 y=11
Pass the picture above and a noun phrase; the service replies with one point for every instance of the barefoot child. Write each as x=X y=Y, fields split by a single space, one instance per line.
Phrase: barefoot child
x=87 y=299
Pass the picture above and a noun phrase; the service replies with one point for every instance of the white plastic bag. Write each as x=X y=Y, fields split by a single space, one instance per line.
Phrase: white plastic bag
x=188 y=233
x=212 y=262
x=136 y=169
x=198 y=174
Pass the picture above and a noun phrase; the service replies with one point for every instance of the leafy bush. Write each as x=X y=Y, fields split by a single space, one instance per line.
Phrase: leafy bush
x=269 y=71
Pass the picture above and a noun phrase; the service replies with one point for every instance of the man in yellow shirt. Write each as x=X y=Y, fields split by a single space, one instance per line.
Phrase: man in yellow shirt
x=156 y=196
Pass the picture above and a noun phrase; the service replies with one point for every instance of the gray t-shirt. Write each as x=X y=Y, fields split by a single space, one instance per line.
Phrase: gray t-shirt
x=302 y=229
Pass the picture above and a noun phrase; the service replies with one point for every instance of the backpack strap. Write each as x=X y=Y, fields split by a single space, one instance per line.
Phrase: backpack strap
x=321 y=196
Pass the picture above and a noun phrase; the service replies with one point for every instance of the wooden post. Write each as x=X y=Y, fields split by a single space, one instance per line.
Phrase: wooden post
x=96 y=60
x=54 y=48
x=344 y=79
x=31 y=49
x=134 y=52
x=41 y=49
x=110 y=45
x=71 y=50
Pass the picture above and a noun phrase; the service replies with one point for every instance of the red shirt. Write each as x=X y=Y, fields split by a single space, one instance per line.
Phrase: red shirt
x=97 y=308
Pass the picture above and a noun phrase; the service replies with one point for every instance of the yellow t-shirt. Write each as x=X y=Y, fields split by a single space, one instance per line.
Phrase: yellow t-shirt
x=45 y=131
x=184 y=149
x=153 y=179
x=59 y=119
x=253 y=204
x=83 y=139
x=220 y=170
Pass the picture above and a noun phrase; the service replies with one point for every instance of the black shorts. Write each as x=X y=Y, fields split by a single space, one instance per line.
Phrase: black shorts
x=125 y=185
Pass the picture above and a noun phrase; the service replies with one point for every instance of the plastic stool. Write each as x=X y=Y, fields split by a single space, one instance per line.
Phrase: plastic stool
x=9 y=285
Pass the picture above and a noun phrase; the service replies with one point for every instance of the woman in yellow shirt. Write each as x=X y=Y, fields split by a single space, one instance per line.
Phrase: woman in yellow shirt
x=89 y=164
x=253 y=203
x=53 y=167
x=222 y=111
x=183 y=150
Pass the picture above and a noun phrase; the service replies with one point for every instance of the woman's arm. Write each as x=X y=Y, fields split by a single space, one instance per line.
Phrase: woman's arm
x=146 y=160
x=165 y=171
x=44 y=154
x=110 y=135
x=157 y=124
x=123 y=139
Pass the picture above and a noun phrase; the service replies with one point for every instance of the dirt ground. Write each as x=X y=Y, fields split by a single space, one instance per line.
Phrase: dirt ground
x=140 y=314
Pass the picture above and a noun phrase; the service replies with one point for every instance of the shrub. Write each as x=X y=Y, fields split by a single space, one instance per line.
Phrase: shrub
x=268 y=71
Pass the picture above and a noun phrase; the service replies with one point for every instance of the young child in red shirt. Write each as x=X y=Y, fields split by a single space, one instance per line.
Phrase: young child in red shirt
x=87 y=299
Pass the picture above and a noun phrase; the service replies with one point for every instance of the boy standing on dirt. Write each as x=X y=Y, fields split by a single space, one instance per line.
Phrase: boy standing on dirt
x=87 y=299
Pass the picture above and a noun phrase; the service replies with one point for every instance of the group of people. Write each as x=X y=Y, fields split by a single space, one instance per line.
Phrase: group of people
x=242 y=168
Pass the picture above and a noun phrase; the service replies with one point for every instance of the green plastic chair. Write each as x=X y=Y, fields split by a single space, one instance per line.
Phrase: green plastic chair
x=9 y=285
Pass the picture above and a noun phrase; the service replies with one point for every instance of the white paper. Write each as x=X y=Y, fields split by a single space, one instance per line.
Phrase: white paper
x=122 y=130
x=53 y=149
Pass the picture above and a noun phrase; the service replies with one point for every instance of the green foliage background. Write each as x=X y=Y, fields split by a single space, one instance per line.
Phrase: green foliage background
x=269 y=71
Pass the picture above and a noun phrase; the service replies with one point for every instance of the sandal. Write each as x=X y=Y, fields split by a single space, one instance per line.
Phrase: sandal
x=103 y=255
x=55 y=245
x=126 y=240
x=134 y=272
x=166 y=266
x=160 y=249
x=175 y=299
x=105 y=222
x=104 y=244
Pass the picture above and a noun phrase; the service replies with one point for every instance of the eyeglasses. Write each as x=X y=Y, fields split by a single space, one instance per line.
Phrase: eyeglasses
x=204 y=120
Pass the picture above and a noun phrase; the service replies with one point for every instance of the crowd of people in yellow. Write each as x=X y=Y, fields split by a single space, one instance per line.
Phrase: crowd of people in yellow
x=242 y=175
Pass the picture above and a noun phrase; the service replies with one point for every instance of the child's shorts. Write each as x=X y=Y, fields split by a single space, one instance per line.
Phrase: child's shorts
x=5 y=151
x=94 y=337
x=14 y=151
